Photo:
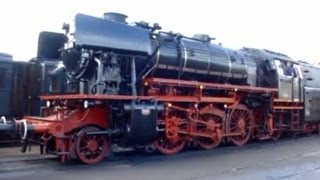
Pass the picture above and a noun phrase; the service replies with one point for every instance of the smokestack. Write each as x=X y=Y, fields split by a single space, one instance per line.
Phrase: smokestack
x=116 y=17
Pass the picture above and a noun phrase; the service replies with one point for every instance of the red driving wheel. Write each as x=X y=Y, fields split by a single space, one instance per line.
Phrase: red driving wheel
x=91 y=149
x=215 y=120
x=170 y=142
x=240 y=120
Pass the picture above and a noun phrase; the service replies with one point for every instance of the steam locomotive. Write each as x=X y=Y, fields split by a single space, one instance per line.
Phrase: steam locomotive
x=134 y=85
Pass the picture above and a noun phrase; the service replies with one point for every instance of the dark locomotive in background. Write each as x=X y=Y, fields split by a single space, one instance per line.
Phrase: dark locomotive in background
x=137 y=86
x=21 y=84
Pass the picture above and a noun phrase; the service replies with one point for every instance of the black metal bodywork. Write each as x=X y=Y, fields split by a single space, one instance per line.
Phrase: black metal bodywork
x=6 y=65
x=21 y=84
x=30 y=80
x=96 y=32
x=139 y=124
x=178 y=56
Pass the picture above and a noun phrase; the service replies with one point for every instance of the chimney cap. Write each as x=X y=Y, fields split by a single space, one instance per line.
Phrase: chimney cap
x=116 y=17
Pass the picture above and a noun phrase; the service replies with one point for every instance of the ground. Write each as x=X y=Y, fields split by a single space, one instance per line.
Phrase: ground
x=290 y=158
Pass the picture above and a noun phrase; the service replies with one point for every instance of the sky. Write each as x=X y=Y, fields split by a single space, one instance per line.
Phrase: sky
x=291 y=27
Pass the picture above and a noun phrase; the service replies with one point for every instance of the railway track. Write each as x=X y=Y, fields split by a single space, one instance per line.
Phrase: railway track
x=12 y=153
x=297 y=156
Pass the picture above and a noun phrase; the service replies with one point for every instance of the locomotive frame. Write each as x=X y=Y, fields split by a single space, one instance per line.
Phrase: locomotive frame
x=201 y=119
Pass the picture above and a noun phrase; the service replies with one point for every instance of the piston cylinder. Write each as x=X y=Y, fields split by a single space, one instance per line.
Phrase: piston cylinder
x=26 y=129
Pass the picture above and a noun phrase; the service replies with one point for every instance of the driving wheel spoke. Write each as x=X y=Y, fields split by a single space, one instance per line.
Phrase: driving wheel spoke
x=240 y=121
x=91 y=149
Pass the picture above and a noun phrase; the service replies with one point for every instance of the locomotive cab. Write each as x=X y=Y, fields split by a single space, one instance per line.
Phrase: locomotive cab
x=289 y=80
